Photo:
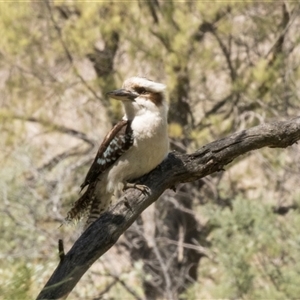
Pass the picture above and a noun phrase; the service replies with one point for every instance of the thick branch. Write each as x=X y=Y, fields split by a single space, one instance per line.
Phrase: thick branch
x=177 y=168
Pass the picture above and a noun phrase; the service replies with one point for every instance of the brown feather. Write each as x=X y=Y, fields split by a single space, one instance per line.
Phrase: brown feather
x=122 y=128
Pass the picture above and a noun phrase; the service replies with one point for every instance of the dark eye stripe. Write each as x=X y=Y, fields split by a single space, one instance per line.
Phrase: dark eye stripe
x=140 y=90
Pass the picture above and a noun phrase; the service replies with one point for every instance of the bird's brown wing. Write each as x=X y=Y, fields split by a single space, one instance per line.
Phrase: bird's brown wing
x=115 y=143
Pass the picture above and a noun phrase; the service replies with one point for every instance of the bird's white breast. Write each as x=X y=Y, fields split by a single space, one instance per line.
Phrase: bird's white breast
x=150 y=147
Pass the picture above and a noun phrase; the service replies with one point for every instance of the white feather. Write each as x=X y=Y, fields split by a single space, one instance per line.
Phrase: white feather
x=151 y=142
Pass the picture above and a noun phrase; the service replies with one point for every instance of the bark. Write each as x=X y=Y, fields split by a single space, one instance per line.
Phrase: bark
x=177 y=168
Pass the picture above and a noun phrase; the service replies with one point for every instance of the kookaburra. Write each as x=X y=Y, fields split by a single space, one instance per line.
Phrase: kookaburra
x=134 y=146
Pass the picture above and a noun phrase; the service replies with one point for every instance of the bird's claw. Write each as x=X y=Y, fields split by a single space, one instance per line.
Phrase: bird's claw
x=143 y=188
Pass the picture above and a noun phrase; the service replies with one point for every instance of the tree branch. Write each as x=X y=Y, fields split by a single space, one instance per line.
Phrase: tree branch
x=67 y=51
x=59 y=128
x=74 y=151
x=177 y=168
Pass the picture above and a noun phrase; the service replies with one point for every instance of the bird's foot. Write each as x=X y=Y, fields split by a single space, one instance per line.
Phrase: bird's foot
x=143 y=188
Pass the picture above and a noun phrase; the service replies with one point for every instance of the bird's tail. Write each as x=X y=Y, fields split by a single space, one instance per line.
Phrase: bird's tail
x=79 y=209
x=89 y=207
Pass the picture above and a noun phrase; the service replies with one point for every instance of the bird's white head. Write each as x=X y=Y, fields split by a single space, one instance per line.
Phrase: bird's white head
x=140 y=95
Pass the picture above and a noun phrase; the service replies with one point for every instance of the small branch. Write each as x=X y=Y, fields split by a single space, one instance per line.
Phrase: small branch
x=226 y=54
x=125 y=285
x=218 y=106
x=164 y=271
x=198 y=248
x=59 y=128
x=61 y=251
x=105 y=232
x=100 y=296
x=74 y=151
x=67 y=51
x=283 y=210
x=287 y=21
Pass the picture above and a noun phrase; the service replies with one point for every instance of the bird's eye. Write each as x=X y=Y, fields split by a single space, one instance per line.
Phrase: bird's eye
x=140 y=90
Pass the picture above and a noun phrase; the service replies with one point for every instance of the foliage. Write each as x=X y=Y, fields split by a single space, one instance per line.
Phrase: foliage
x=254 y=252
x=227 y=66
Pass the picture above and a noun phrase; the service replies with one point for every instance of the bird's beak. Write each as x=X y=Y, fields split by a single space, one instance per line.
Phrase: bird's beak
x=122 y=94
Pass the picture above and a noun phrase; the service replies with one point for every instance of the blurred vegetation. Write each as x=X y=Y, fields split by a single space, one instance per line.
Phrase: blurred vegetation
x=228 y=66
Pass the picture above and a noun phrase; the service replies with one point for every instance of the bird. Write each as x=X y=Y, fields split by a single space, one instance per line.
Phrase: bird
x=136 y=145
